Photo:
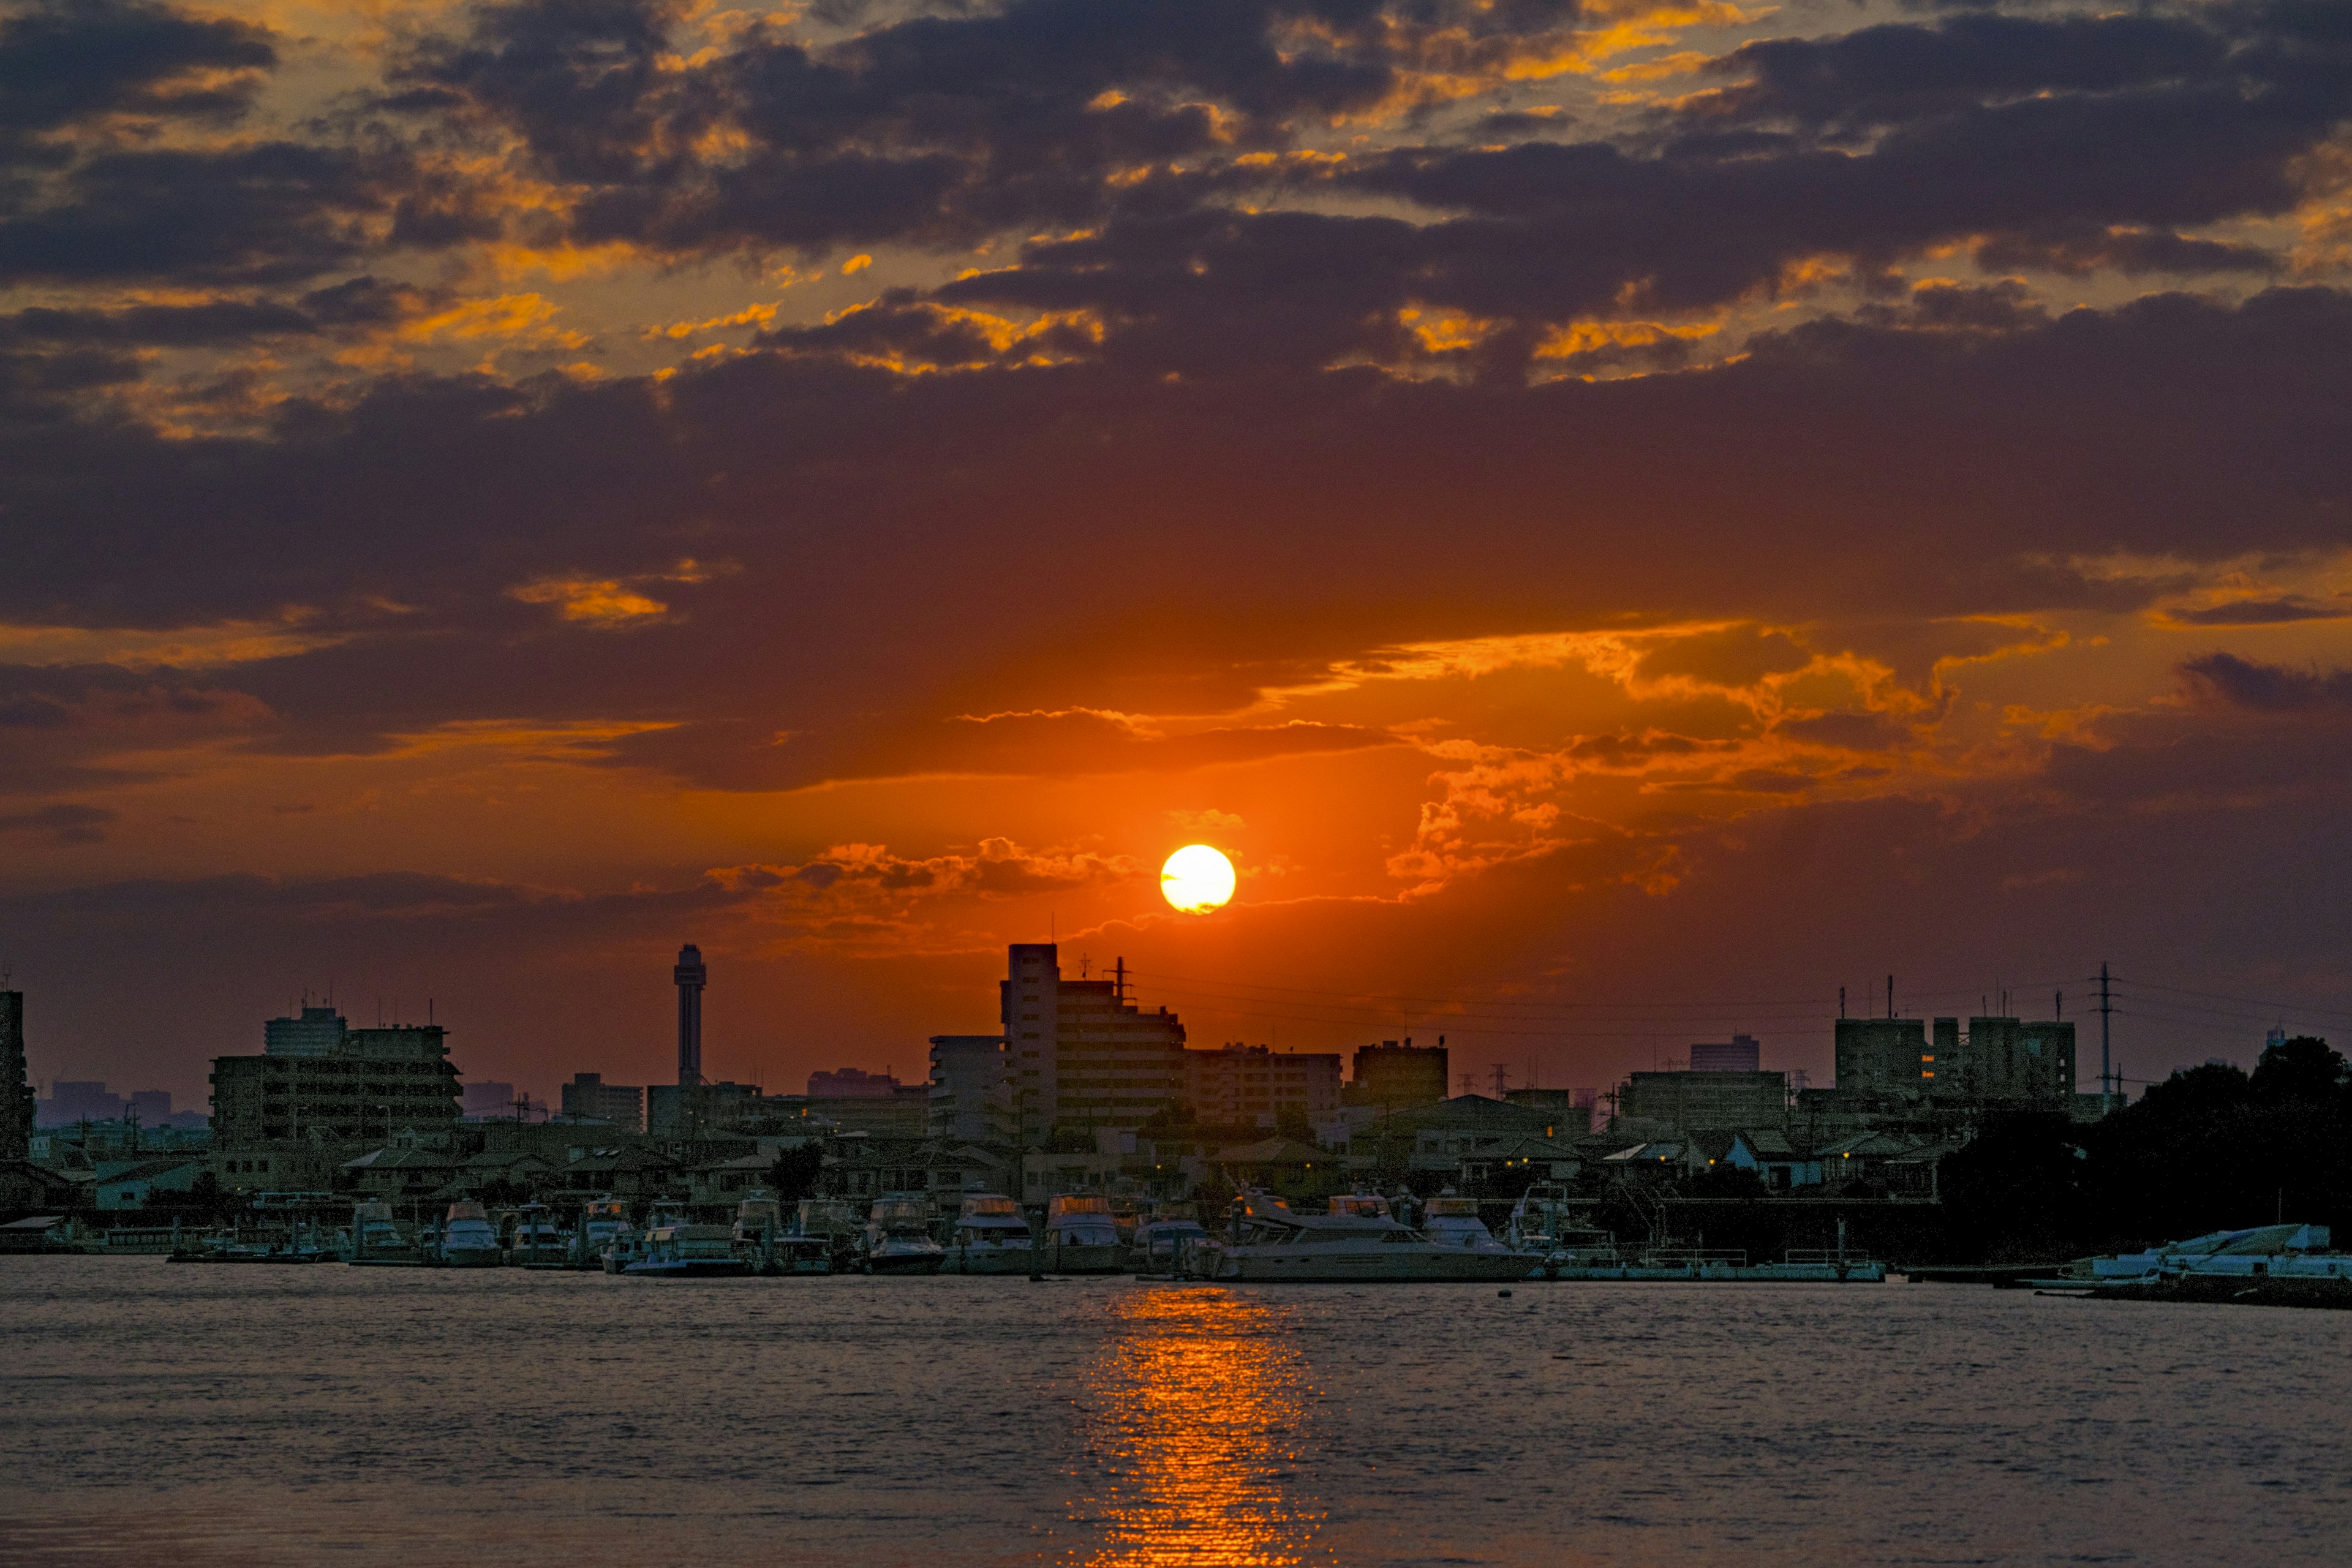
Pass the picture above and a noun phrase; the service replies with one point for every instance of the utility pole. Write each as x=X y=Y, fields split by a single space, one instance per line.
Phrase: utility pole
x=1118 y=973
x=2106 y=1009
x=1890 y=996
x=1502 y=1079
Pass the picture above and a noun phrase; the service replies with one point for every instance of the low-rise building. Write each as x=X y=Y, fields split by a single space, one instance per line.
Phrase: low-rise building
x=588 y=1098
x=367 y=1082
x=1251 y=1085
x=1396 y=1076
x=1659 y=1102
x=133 y=1183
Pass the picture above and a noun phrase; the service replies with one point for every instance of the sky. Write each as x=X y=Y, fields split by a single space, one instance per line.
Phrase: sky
x=1621 y=518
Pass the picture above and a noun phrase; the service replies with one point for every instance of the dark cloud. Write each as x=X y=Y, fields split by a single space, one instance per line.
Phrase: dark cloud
x=2226 y=679
x=2285 y=610
x=63 y=824
x=68 y=61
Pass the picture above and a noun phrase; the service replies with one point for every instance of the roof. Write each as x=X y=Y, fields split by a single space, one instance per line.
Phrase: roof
x=34 y=1222
x=403 y=1160
x=1531 y=1149
x=147 y=1170
x=1466 y=1111
x=1272 y=1152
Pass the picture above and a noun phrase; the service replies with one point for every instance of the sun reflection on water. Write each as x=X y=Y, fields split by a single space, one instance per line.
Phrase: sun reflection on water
x=1196 y=1417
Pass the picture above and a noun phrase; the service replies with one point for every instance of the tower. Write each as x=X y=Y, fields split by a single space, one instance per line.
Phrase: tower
x=691 y=976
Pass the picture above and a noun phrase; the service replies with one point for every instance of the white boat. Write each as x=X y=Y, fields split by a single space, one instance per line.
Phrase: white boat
x=1171 y=1247
x=1546 y=1219
x=631 y=1248
x=1451 y=1221
x=376 y=1240
x=1270 y=1241
x=2303 y=1252
x=990 y=1237
x=535 y=1241
x=839 y=1224
x=689 y=1251
x=898 y=1239
x=1082 y=1236
x=603 y=1226
x=468 y=1239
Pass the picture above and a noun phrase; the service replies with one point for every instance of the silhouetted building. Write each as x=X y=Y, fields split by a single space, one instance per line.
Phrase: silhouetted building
x=690 y=977
x=1250 y=1086
x=904 y=1113
x=971 y=1090
x=588 y=1098
x=314 y=1032
x=1914 y=1061
x=1398 y=1075
x=152 y=1106
x=1738 y=1054
x=1686 y=1101
x=15 y=1092
x=70 y=1101
x=1573 y=1115
x=1083 y=1057
x=845 y=1082
x=372 y=1082
x=487 y=1097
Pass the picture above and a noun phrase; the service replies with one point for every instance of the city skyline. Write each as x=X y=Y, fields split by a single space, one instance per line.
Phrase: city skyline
x=1629 y=516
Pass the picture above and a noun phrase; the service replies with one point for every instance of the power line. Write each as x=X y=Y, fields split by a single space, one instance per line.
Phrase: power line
x=2249 y=1001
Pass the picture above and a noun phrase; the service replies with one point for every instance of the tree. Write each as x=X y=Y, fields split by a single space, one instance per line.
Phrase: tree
x=2303 y=1068
x=795 y=1175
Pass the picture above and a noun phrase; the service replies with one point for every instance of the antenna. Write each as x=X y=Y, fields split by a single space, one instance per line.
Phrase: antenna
x=1119 y=973
x=1841 y=1003
x=1890 y=996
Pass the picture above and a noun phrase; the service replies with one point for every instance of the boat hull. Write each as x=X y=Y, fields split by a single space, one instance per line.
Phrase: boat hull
x=1108 y=1257
x=470 y=1258
x=989 y=1260
x=1857 y=1273
x=904 y=1263
x=1301 y=1265
x=688 y=1268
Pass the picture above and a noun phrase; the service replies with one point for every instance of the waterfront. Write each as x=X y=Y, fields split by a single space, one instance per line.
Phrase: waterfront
x=414 y=1417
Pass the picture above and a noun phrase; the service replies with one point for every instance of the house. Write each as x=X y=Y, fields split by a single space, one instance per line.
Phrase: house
x=725 y=1183
x=396 y=1174
x=627 y=1171
x=26 y=1188
x=1436 y=1138
x=132 y=1183
x=1542 y=1159
x=1766 y=1151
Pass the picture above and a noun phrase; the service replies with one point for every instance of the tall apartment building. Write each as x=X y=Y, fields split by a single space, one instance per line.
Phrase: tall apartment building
x=588 y=1098
x=1394 y=1076
x=1250 y=1086
x=1706 y=1101
x=1738 y=1054
x=369 y=1082
x=1998 y=1060
x=1082 y=1056
x=844 y=1083
x=971 y=1090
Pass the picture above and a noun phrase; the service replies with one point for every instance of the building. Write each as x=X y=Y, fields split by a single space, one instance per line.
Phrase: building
x=904 y=1113
x=2015 y=1060
x=690 y=977
x=841 y=1083
x=1393 y=1076
x=588 y=1098
x=1886 y=1057
x=1686 y=1101
x=15 y=1092
x=1250 y=1086
x=312 y=1032
x=372 y=1082
x=152 y=1106
x=487 y=1097
x=1999 y=1060
x=1083 y=1057
x=1569 y=1106
x=134 y=1183
x=70 y=1101
x=1738 y=1054
x=971 y=1090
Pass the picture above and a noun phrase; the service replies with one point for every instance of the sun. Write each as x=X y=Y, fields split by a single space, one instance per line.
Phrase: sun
x=1197 y=879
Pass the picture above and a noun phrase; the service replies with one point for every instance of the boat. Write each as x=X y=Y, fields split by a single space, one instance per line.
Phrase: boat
x=603 y=1226
x=1168 y=1246
x=534 y=1242
x=467 y=1239
x=990 y=1237
x=1082 y=1236
x=1371 y=1205
x=898 y=1238
x=1451 y=1221
x=838 y=1223
x=1271 y=1241
x=1593 y=1256
x=376 y=1240
x=1546 y=1219
x=2287 y=1263
x=689 y=1251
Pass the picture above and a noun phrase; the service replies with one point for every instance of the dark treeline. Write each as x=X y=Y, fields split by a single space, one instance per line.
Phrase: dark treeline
x=2212 y=1148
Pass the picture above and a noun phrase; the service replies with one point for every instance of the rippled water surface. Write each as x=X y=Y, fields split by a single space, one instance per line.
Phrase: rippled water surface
x=223 y=1415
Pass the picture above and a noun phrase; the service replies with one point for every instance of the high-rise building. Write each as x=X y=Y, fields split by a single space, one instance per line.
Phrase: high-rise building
x=15 y=1092
x=691 y=976
x=1083 y=1057
x=1393 y=1076
x=1250 y=1086
x=151 y=1106
x=1738 y=1054
x=1706 y=1101
x=1886 y=1056
x=371 y=1082
x=970 y=1091
x=314 y=1032
x=70 y=1101
x=588 y=1098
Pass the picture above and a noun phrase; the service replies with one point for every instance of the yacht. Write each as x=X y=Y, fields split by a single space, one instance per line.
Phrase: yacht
x=375 y=1239
x=535 y=1242
x=1544 y=1219
x=1168 y=1246
x=839 y=1224
x=1451 y=1221
x=689 y=1251
x=898 y=1239
x=1366 y=1206
x=631 y=1248
x=604 y=1225
x=990 y=1237
x=1271 y=1241
x=2214 y=1263
x=468 y=1239
x=1082 y=1236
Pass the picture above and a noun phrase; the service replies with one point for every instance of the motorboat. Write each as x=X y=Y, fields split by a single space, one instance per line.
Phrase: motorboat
x=2222 y=1258
x=631 y=1247
x=1171 y=1247
x=1370 y=1205
x=468 y=1239
x=1082 y=1236
x=770 y=1242
x=535 y=1242
x=1451 y=1221
x=1545 y=1220
x=685 y=1250
x=990 y=1237
x=1593 y=1256
x=603 y=1226
x=898 y=1239
x=1271 y=1241
x=376 y=1240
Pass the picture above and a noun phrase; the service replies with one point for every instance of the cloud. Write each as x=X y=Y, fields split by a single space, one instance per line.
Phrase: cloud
x=65 y=824
x=2285 y=609
x=2227 y=679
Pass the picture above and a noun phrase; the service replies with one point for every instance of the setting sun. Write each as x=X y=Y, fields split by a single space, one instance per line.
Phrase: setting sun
x=1197 y=879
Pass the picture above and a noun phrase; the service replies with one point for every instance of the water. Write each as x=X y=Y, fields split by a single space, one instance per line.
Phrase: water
x=294 y=1415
